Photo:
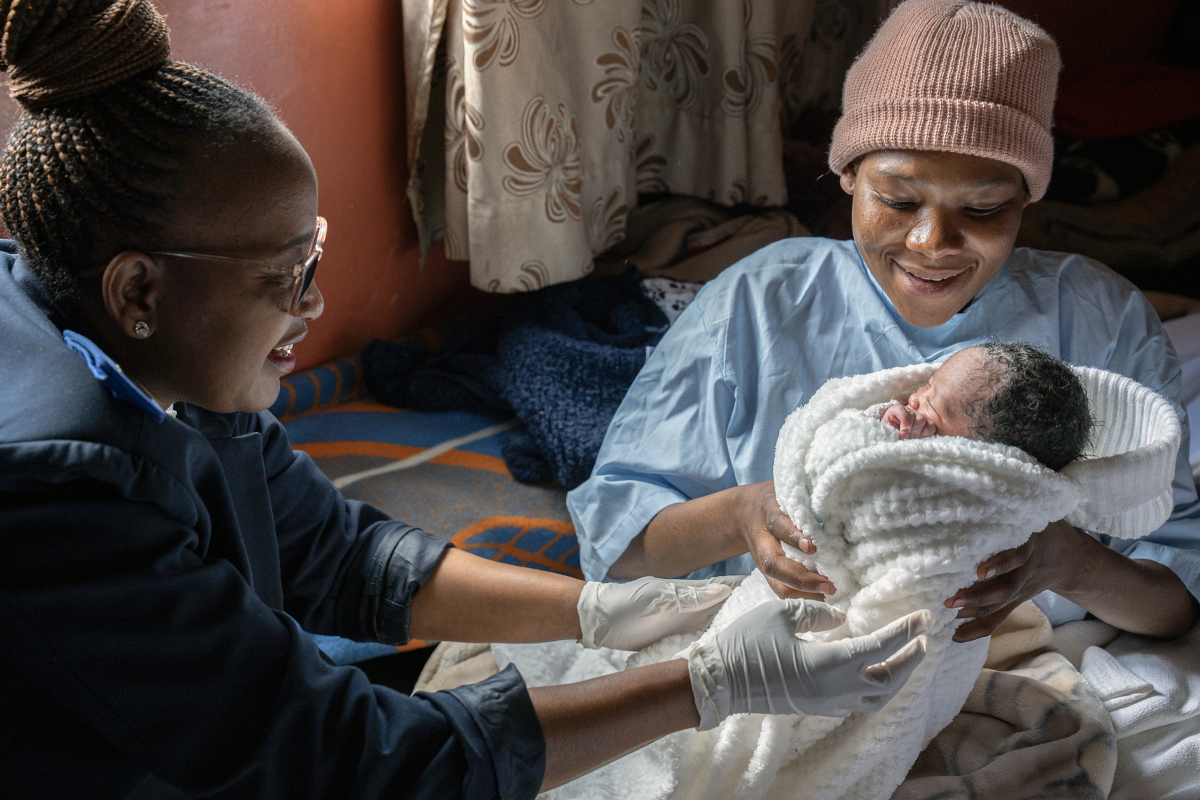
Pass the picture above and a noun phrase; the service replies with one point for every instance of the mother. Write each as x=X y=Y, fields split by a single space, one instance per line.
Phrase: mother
x=160 y=540
x=944 y=139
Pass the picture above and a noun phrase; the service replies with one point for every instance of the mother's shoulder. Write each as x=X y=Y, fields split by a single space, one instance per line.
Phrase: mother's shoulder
x=789 y=266
x=1075 y=275
x=800 y=253
x=1068 y=266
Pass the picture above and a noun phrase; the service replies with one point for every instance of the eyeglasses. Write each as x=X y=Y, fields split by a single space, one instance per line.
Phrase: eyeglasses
x=302 y=271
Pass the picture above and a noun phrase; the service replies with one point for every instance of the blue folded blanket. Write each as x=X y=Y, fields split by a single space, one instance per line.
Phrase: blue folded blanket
x=560 y=359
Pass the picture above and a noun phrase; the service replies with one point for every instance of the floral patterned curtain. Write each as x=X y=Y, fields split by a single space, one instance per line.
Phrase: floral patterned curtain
x=555 y=114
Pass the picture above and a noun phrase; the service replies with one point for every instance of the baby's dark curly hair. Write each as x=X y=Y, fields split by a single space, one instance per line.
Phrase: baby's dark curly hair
x=1039 y=405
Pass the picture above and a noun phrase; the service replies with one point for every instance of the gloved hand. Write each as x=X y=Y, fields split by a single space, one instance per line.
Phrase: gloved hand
x=758 y=665
x=633 y=615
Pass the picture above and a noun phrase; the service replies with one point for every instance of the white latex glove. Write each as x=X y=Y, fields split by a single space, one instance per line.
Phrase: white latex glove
x=633 y=615
x=758 y=665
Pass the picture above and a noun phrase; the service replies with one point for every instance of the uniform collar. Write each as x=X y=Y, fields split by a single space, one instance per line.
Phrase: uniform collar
x=109 y=373
x=80 y=338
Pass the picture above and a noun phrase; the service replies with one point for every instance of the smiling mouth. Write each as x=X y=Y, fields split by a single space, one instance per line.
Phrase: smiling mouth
x=916 y=280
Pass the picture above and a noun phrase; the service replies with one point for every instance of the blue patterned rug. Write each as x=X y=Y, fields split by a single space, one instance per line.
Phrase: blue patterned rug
x=440 y=471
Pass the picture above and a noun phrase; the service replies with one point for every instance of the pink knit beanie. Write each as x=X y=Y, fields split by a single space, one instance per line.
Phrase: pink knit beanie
x=957 y=76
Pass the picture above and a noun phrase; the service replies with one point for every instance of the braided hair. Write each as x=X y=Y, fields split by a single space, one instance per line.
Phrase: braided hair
x=109 y=132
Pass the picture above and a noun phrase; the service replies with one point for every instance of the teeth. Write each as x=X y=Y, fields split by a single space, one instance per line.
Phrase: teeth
x=931 y=280
x=282 y=352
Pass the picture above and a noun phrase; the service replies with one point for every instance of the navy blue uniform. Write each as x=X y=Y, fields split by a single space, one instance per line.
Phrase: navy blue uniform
x=154 y=576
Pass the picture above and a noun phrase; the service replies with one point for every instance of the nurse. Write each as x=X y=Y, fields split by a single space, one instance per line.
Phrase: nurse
x=944 y=139
x=160 y=542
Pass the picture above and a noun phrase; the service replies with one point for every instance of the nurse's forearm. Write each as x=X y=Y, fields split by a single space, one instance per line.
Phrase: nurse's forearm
x=472 y=599
x=589 y=724
x=1135 y=595
x=687 y=536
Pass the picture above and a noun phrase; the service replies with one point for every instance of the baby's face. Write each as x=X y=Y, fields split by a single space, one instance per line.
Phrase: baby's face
x=958 y=386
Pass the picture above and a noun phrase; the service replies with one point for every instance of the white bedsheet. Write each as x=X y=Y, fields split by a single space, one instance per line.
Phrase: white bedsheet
x=1151 y=690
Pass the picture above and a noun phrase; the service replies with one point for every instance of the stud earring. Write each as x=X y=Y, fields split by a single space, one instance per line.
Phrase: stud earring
x=141 y=329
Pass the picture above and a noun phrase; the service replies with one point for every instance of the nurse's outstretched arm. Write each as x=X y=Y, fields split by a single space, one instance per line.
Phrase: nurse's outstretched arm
x=755 y=665
x=473 y=599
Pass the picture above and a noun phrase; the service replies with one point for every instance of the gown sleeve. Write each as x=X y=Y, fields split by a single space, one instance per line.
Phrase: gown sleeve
x=1143 y=351
x=665 y=445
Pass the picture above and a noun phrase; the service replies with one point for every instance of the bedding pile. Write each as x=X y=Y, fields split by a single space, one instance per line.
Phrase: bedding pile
x=899 y=525
x=559 y=359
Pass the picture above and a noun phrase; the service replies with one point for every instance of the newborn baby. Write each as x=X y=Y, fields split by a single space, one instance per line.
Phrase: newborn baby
x=1001 y=392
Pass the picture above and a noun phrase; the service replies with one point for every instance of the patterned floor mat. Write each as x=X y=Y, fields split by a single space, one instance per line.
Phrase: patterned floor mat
x=442 y=472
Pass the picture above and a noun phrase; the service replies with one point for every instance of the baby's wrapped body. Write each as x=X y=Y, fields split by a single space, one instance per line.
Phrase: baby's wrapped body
x=899 y=525
x=1001 y=392
x=894 y=519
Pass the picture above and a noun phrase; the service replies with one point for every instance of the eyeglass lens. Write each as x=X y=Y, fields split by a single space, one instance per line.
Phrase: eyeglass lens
x=310 y=270
x=304 y=282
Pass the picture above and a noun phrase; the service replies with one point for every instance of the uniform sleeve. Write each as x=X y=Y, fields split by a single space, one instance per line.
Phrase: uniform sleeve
x=108 y=606
x=1143 y=352
x=348 y=569
x=665 y=445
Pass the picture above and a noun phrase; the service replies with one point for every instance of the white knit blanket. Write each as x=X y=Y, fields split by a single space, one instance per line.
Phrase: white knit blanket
x=899 y=526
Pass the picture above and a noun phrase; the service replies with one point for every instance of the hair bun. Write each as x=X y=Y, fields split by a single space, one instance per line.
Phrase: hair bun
x=56 y=51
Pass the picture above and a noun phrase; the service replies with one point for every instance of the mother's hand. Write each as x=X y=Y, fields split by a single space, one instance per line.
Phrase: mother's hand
x=763 y=526
x=1010 y=578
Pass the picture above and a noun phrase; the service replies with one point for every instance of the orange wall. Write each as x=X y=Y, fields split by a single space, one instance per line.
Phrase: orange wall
x=334 y=72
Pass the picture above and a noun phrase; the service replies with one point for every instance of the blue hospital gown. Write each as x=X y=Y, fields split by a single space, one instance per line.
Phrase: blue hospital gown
x=705 y=411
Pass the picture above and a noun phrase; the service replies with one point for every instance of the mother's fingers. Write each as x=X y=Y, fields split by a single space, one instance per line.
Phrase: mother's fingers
x=996 y=591
x=781 y=527
x=1005 y=561
x=787 y=578
x=984 y=626
x=974 y=612
x=790 y=579
x=1001 y=577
